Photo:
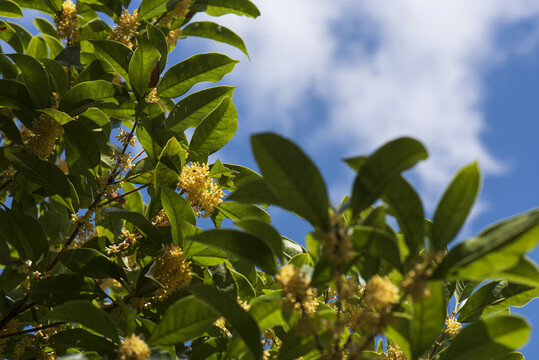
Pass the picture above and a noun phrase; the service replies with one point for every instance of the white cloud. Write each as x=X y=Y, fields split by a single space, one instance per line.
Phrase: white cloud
x=378 y=69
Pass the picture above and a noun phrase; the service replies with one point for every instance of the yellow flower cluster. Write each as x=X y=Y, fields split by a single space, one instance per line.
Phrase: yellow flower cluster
x=9 y=328
x=152 y=97
x=86 y=224
x=8 y=173
x=337 y=243
x=129 y=240
x=125 y=30
x=134 y=348
x=171 y=270
x=123 y=137
x=161 y=219
x=172 y=36
x=67 y=22
x=380 y=293
x=394 y=352
x=200 y=191
x=295 y=284
x=41 y=140
x=178 y=12
x=123 y=161
x=452 y=327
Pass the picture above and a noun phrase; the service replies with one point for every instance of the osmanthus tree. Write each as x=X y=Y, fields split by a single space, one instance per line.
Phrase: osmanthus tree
x=90 y=269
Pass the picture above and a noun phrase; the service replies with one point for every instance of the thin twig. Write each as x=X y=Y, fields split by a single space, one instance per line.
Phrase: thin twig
x=22 y=332
x=124 y=194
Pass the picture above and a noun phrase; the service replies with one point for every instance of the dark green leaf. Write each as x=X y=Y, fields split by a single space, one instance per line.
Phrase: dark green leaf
x=70 y=56
x=198 y=68
x=265 y=232
x=91 y=263
x=488 y=339
x=10 y=130
x=494 y=297
x=92 y=94
x=406 y=206
x=245 y=289
x=96 y=29
x=10 y=9
x=187 y=319
x=293 y=176
x=37 y=47
x=241 y=321
x=153 y=8
x=115 y=53
x=237 y=211
x=137 y=219
x=211 y=30
x=45 y=26
x=85 y=340
x=190 y=110
x=57 y=289
x=60 y=81
x=86 y=314
x=382 y=167
x=256 y=192
x=178 y=210
x=85 y=142
x=428 y=320
x=223 y=279
x=215 y=130
x=455 y=205
x=158 y=39
x=241 y=244
x=222 y=7
x=14 y=94
x=141 y=66
x=25 y=233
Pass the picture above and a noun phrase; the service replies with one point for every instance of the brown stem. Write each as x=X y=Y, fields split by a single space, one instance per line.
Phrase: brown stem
x=437 y=344
x=124 y=194
x=14 y=312
x=22 y=332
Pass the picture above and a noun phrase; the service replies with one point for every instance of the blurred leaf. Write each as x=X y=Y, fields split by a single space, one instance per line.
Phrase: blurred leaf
x=378 y=243
x=84 y=340
x=223 y=279
x=57 y=289
x=524 y=272
x=198 y=68
x=293 y=176
x=152 y=8
x=237 y=211
x=399 y=332
x=266 y=313
x=264 y=231
x=185 y=320
x=382 y=167
x=406 y=206
x=141 y=66
x=255 y=191
x=192 y=109
x=86 y=314
x=91 y=263
x=496 y=249
x=455 y=205
x=240 y=320
x=428 y=320
x=211 y=30
x=222 y=7
x=215 y=130
x=10 y=9
x=241 y=244
x=488 y=339
x=494 y=297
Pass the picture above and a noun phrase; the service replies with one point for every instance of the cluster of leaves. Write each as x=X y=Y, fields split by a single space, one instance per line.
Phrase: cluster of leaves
x=92 y=269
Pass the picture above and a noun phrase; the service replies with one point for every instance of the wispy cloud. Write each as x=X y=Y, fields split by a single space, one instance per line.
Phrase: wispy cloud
x=354 y=74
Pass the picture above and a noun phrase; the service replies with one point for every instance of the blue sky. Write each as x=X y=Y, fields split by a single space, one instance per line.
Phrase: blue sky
x=341 y=78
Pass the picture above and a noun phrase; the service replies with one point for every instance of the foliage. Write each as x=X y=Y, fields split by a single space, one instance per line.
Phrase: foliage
x=91 y=268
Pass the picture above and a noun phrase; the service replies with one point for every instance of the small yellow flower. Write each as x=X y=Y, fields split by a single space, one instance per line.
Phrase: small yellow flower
x=199 y=189
x=134 y=348
x=67 y=22
x=178 y=12
x=125 y=30
x=152 y=97
x=452 y=327
x=380 y=293
x=41 y=140
x=172 y=36
x=161 y=219
x=171 y=270
x=296 y=285
x=124 y=136
x=394 y=352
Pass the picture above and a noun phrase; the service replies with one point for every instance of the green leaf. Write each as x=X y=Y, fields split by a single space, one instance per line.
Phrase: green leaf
x=70 y=57
x=198 y=68
x=455 y=205
x=267 y=313
x=45 y=26
x=185 y=320
x=215 y=130
x=10 y=129
x=376 y=242
x=10 y=9
x=293 y=176
x=85 y=142
x=54 y=44
x=178 y=210
x=524 y=272
x=25 y=233
x=428 y=320
x=137 y=219
x=241 y=321
x=141 y=66
x=245 y=289
x=84 y=340
x=57 y=289
x=91 y=263
x=60 y=81
x=494 y=297
x=158 y=39
x=382 y=167
x=246 y=246
x=406 y=206
x=114 y=53
x=256 y=192
x=96 y=29
x=211 y=30
x=496 y=249
x=463 y=289
x=88 y=315
x=152 y=8
x=14 y=94
x=190 y=110
x=92 y=94
x=237 y=211
x=40 y=172
x=265 y=232
x=223 y=7
x=223 y=279
x=398 y=331
x=488 y=339
x=37 y=47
